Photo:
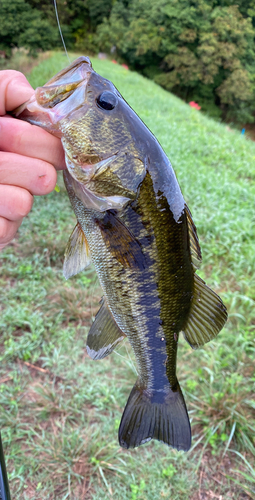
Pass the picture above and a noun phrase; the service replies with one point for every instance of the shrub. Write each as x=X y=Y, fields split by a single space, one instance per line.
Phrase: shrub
x=198 y=50
x=23 y=26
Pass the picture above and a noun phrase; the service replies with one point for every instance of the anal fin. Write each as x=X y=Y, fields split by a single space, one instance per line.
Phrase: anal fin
x=207 y=315
x=77 y=253
x=104 y=334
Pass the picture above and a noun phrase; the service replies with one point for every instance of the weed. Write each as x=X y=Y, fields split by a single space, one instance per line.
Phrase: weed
x=136 y=490
x=169 y=472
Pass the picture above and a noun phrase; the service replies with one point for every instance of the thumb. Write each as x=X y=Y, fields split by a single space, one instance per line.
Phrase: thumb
x=14 y=90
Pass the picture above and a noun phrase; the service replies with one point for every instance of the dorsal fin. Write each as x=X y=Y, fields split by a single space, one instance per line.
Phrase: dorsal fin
x=195 y=250
x=104 y=334
x=77 y=253
x=207 y=315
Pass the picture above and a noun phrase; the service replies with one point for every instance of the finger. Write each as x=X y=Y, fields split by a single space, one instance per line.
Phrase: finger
x=15 y=202
x=8 y=230
x=37 y=176
x=20 y=137
x=14 y=90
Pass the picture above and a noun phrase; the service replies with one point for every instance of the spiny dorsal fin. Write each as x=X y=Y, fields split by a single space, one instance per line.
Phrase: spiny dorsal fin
x=207 y=315
x=195 y=250
x=104 y=335
x=77 y=253
x=121 y=242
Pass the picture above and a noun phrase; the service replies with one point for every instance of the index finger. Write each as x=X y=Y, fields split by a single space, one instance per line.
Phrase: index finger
x=14 y=90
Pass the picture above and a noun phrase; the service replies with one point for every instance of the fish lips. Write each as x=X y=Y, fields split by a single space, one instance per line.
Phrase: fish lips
x=59 y=98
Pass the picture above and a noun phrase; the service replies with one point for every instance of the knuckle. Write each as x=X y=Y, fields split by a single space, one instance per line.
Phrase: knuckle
x=13 y=135
x=16 y=138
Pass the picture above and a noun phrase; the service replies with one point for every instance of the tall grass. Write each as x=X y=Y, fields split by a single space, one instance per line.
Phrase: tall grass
x=60 y=410
x=20 y=60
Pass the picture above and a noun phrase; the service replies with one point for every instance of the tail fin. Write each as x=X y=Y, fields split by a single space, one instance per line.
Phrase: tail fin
x=160 y=415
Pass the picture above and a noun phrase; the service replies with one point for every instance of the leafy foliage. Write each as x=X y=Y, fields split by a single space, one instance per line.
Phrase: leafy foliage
x=78 y=19
x=199 y=50
x=23 y=26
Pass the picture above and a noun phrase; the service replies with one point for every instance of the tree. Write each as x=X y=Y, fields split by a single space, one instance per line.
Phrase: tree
x=198 y=49
x=23 y=26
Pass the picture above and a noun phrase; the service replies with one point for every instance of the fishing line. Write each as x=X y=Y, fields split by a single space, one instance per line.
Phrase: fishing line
x=128 y=359
x=131 y=361
x=60 y=31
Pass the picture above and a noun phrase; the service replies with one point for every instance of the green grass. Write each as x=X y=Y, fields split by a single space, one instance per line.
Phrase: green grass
x=61 y=410
x=20 y=60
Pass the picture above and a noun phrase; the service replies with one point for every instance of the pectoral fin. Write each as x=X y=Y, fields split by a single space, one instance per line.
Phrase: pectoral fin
x=195 y=250
x=121 y=242
x=77 y=253
x=104 y=335
x=207 y=315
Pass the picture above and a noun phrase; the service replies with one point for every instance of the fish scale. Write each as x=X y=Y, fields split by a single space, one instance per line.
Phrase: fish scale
x=169 y=290
x=134 y=225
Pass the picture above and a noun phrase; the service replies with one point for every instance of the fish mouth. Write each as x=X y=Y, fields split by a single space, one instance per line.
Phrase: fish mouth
x=64 y=98
x=74 y=72
x=59 y=98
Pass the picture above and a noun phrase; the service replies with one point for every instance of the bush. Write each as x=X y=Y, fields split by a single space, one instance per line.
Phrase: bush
x=23 y=26
x=203 y=50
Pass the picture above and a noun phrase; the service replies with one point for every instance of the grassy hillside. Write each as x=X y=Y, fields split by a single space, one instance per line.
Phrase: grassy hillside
x=60 y=410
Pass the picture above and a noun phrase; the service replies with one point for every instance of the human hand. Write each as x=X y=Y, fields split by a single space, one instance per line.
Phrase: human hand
x=28 y=155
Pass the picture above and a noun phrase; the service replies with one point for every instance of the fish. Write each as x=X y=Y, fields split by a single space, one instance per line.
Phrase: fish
x=134 y=225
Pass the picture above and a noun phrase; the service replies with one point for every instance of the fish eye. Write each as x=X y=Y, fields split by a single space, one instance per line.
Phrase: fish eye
x=106 y=100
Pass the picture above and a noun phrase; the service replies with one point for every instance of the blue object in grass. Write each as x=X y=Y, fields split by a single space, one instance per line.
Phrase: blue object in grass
x=4 y=486
x=243 y=131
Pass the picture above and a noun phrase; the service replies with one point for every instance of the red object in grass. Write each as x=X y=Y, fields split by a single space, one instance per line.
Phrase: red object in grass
x=195 y=105
x=125 y=66
x=114 y=62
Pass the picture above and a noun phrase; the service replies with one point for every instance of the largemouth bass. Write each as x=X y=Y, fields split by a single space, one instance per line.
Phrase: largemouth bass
x=134 y=225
